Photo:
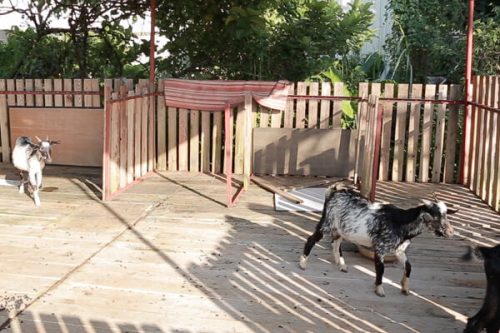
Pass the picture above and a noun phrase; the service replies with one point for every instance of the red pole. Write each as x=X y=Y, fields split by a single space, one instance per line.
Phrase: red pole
x=464 y=155
x=152 y=46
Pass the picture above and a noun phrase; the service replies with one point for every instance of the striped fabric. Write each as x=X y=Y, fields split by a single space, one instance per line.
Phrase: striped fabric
x=213 y=95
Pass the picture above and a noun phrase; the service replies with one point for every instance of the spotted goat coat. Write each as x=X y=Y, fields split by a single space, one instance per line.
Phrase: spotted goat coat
x=385 y=228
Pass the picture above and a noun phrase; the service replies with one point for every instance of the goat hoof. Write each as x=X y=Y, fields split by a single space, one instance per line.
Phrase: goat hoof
x=405 y=292
x=303 y=262
x=379 y=290
x=343 y=268
x=405 y=285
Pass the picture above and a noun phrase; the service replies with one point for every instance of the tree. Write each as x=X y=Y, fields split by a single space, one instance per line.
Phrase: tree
x=259 y=39
x=90 y=24
x=429 y=37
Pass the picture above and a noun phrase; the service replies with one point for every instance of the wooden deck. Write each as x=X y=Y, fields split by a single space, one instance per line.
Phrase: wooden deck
x=167 y=256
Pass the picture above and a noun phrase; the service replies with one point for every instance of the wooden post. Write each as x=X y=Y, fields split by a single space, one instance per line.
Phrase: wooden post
x=247 y=146
x=4 y=130
x=228 y=142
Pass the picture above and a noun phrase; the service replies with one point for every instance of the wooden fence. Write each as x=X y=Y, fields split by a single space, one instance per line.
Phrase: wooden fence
x=129 y=136
x=419 y=139
x=483 y=164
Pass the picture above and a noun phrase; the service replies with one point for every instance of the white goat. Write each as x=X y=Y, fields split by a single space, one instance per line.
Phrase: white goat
x=30 y=157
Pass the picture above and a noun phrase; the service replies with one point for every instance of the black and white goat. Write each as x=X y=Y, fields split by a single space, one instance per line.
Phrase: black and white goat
x=384 y=227
x=31 y=158
x=489 y=315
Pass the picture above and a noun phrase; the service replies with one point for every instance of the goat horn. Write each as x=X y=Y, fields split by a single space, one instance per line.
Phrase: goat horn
x=38 y=139
x=435 y=197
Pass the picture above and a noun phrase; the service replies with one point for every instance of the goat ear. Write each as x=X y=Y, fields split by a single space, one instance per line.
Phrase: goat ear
x=38 y=139
x=484 y=251
x=55 y=142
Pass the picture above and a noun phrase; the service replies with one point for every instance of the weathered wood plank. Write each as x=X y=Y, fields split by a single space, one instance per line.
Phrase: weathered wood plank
x=29 y=86
x=20 y=98
x=300 y=117
x=290 y=108
x=496 y=161
x=123 y=115
x=4 y=130
x=451 y=136
x=161 y=132
x=138 y=105
x=205 y=141
x=58 y=86
x=413 y=134
x=48 y=98
x=172 y=139
x=78 y=86
x=239 y=140
x=11 y=86
x=338 y=90
x=439 y=135
x=144 y=132
x=217 y=143
x=425 y=154
x=264 y=117
x=114 y=174
x=400 y=133
x=324 y=113
x=183 y=146
x=312 y=120
x=130 y=109
x=68 y=86
x=385 y=148
x=194 y=141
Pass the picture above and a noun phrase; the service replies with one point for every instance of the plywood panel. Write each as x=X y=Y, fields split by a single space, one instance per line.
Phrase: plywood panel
x=80 y=132
x=317 y=152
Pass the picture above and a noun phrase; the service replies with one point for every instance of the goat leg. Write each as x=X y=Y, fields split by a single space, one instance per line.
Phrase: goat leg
x=21 y=185
x=379 y=271
x=403 y=260
x=311 y=241
x=34 y=186
x=337 y=253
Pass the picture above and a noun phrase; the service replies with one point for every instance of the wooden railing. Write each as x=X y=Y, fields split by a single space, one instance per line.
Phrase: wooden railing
x=483 y=163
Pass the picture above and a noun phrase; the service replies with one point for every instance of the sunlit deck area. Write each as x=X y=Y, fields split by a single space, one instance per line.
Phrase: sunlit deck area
x=168 y=256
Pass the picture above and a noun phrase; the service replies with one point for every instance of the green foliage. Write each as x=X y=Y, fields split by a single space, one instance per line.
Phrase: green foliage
x=429 y=36
x=93 y=44
x=259 y=39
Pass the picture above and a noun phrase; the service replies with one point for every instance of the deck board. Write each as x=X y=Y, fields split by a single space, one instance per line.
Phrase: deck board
x=167 y=256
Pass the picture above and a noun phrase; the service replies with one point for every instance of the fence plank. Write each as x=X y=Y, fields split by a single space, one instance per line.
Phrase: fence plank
x=217 y=143
x=385 y=146
x=49 y=98
x=20 y=98
x=324 y=112
x=425 y=152
x=87 y=87
x=11 y=86
x=68 y=86
x=312 y=121
x=496 y=162
x=483 y=143
x=4 y=129
x=205 y=141
x=137 y=135
x=172 y=139
x=144 y=133
x=194 y=141
x=151 y=129
x=475 y=116
x=413 y=134
x=338 y=90
x=130 y=136
x=491 y=142
x=183 y=140
x=264 y=117
x=161 y=132
x=399 y=134
x=290 y=107
x=451 y=136
x=123 y=114
x=239 y=140
x=361 y=122
x=478 y=134
x=114 y=173
x=58 y=86
x=439 y=136
x=78 y=86
x=96 y=99
x=39 y=98
x=275 y=118
x=29 y=86
x=300 y=118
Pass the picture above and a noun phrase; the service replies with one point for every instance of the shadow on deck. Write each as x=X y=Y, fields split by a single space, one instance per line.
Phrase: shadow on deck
x=167 y=257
